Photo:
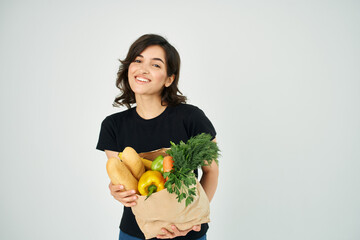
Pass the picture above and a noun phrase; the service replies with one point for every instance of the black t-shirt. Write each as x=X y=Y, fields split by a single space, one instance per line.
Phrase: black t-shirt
x=174 y=124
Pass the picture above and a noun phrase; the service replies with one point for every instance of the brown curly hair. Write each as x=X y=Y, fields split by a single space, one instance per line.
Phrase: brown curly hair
x=169 y=95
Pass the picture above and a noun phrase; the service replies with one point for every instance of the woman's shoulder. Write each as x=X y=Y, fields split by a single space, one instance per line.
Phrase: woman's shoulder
x=187 y=108
x=188 y=113
x=195 y=120
x=122 y=115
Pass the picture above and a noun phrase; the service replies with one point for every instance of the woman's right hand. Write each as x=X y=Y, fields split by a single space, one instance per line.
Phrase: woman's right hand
x=127 y=198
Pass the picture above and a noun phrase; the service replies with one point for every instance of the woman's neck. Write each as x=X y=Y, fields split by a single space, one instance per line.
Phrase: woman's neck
x=149 y=107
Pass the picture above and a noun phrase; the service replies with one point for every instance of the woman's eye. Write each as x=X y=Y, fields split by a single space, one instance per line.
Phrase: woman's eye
x=156 y=65
x=137 y=61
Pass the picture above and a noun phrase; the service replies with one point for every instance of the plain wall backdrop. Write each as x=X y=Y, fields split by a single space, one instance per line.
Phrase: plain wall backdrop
x=280 y=80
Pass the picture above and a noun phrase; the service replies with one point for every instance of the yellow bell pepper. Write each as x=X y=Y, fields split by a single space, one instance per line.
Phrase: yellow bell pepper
x=150 y=182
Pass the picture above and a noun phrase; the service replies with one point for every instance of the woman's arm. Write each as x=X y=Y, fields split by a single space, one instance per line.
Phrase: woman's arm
x=111 y=154
x=209 y=179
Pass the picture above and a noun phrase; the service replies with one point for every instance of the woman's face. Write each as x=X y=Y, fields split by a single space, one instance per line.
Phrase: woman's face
x=148 y=74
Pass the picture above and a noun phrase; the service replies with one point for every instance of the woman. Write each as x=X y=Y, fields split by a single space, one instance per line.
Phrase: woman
x=148 y=77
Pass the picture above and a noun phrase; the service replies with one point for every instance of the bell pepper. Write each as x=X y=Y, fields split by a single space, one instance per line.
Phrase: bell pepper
x=150 y=182
x=157 y=164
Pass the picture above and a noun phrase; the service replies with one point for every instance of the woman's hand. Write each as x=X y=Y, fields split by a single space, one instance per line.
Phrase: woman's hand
x=176 y=232
x=127 y=198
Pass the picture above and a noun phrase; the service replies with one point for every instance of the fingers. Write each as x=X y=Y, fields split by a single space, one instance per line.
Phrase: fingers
x=127 y=198
x=166 y=234
x=196 y=228
x=176 y=232
x=114 y=188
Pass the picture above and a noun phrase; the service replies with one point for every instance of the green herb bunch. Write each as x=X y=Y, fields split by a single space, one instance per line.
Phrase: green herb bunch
x=198 y=151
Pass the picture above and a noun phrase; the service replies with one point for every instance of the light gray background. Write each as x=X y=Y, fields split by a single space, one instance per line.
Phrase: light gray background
x=278 y=79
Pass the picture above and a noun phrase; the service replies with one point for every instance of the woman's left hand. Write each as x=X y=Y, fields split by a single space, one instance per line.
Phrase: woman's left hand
x=176 y=232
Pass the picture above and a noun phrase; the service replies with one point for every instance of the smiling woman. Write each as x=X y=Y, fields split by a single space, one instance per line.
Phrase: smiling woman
x=165 y=57
x=148 y=77
x=147 y=74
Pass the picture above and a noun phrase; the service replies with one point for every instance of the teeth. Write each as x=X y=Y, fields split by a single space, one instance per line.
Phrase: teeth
x=142 y=79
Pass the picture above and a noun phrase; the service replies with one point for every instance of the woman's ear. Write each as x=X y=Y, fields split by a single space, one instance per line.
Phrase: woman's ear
x=169 y=80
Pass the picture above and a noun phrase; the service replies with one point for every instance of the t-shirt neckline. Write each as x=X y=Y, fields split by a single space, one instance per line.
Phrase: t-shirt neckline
x=163 y=113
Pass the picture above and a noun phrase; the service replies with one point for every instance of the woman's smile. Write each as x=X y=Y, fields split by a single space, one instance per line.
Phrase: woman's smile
x=142 y=80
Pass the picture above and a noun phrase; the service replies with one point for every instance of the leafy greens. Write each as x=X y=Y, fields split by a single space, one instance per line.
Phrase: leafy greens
x=198 y=151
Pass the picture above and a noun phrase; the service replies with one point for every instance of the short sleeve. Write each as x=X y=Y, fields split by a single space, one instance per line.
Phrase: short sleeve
x=197 y=122
x=107 y=136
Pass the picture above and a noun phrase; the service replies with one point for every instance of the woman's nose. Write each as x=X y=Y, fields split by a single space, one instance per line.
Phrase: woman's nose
x=144 y=70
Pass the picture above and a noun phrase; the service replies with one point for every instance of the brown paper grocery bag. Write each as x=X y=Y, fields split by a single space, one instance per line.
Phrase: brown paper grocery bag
x=153 y=154
x=162 y=209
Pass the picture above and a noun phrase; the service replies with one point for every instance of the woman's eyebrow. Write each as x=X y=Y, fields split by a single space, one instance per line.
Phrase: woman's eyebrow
x=158 y=59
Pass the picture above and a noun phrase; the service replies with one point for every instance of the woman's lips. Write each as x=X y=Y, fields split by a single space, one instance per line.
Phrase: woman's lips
x=141 y=79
